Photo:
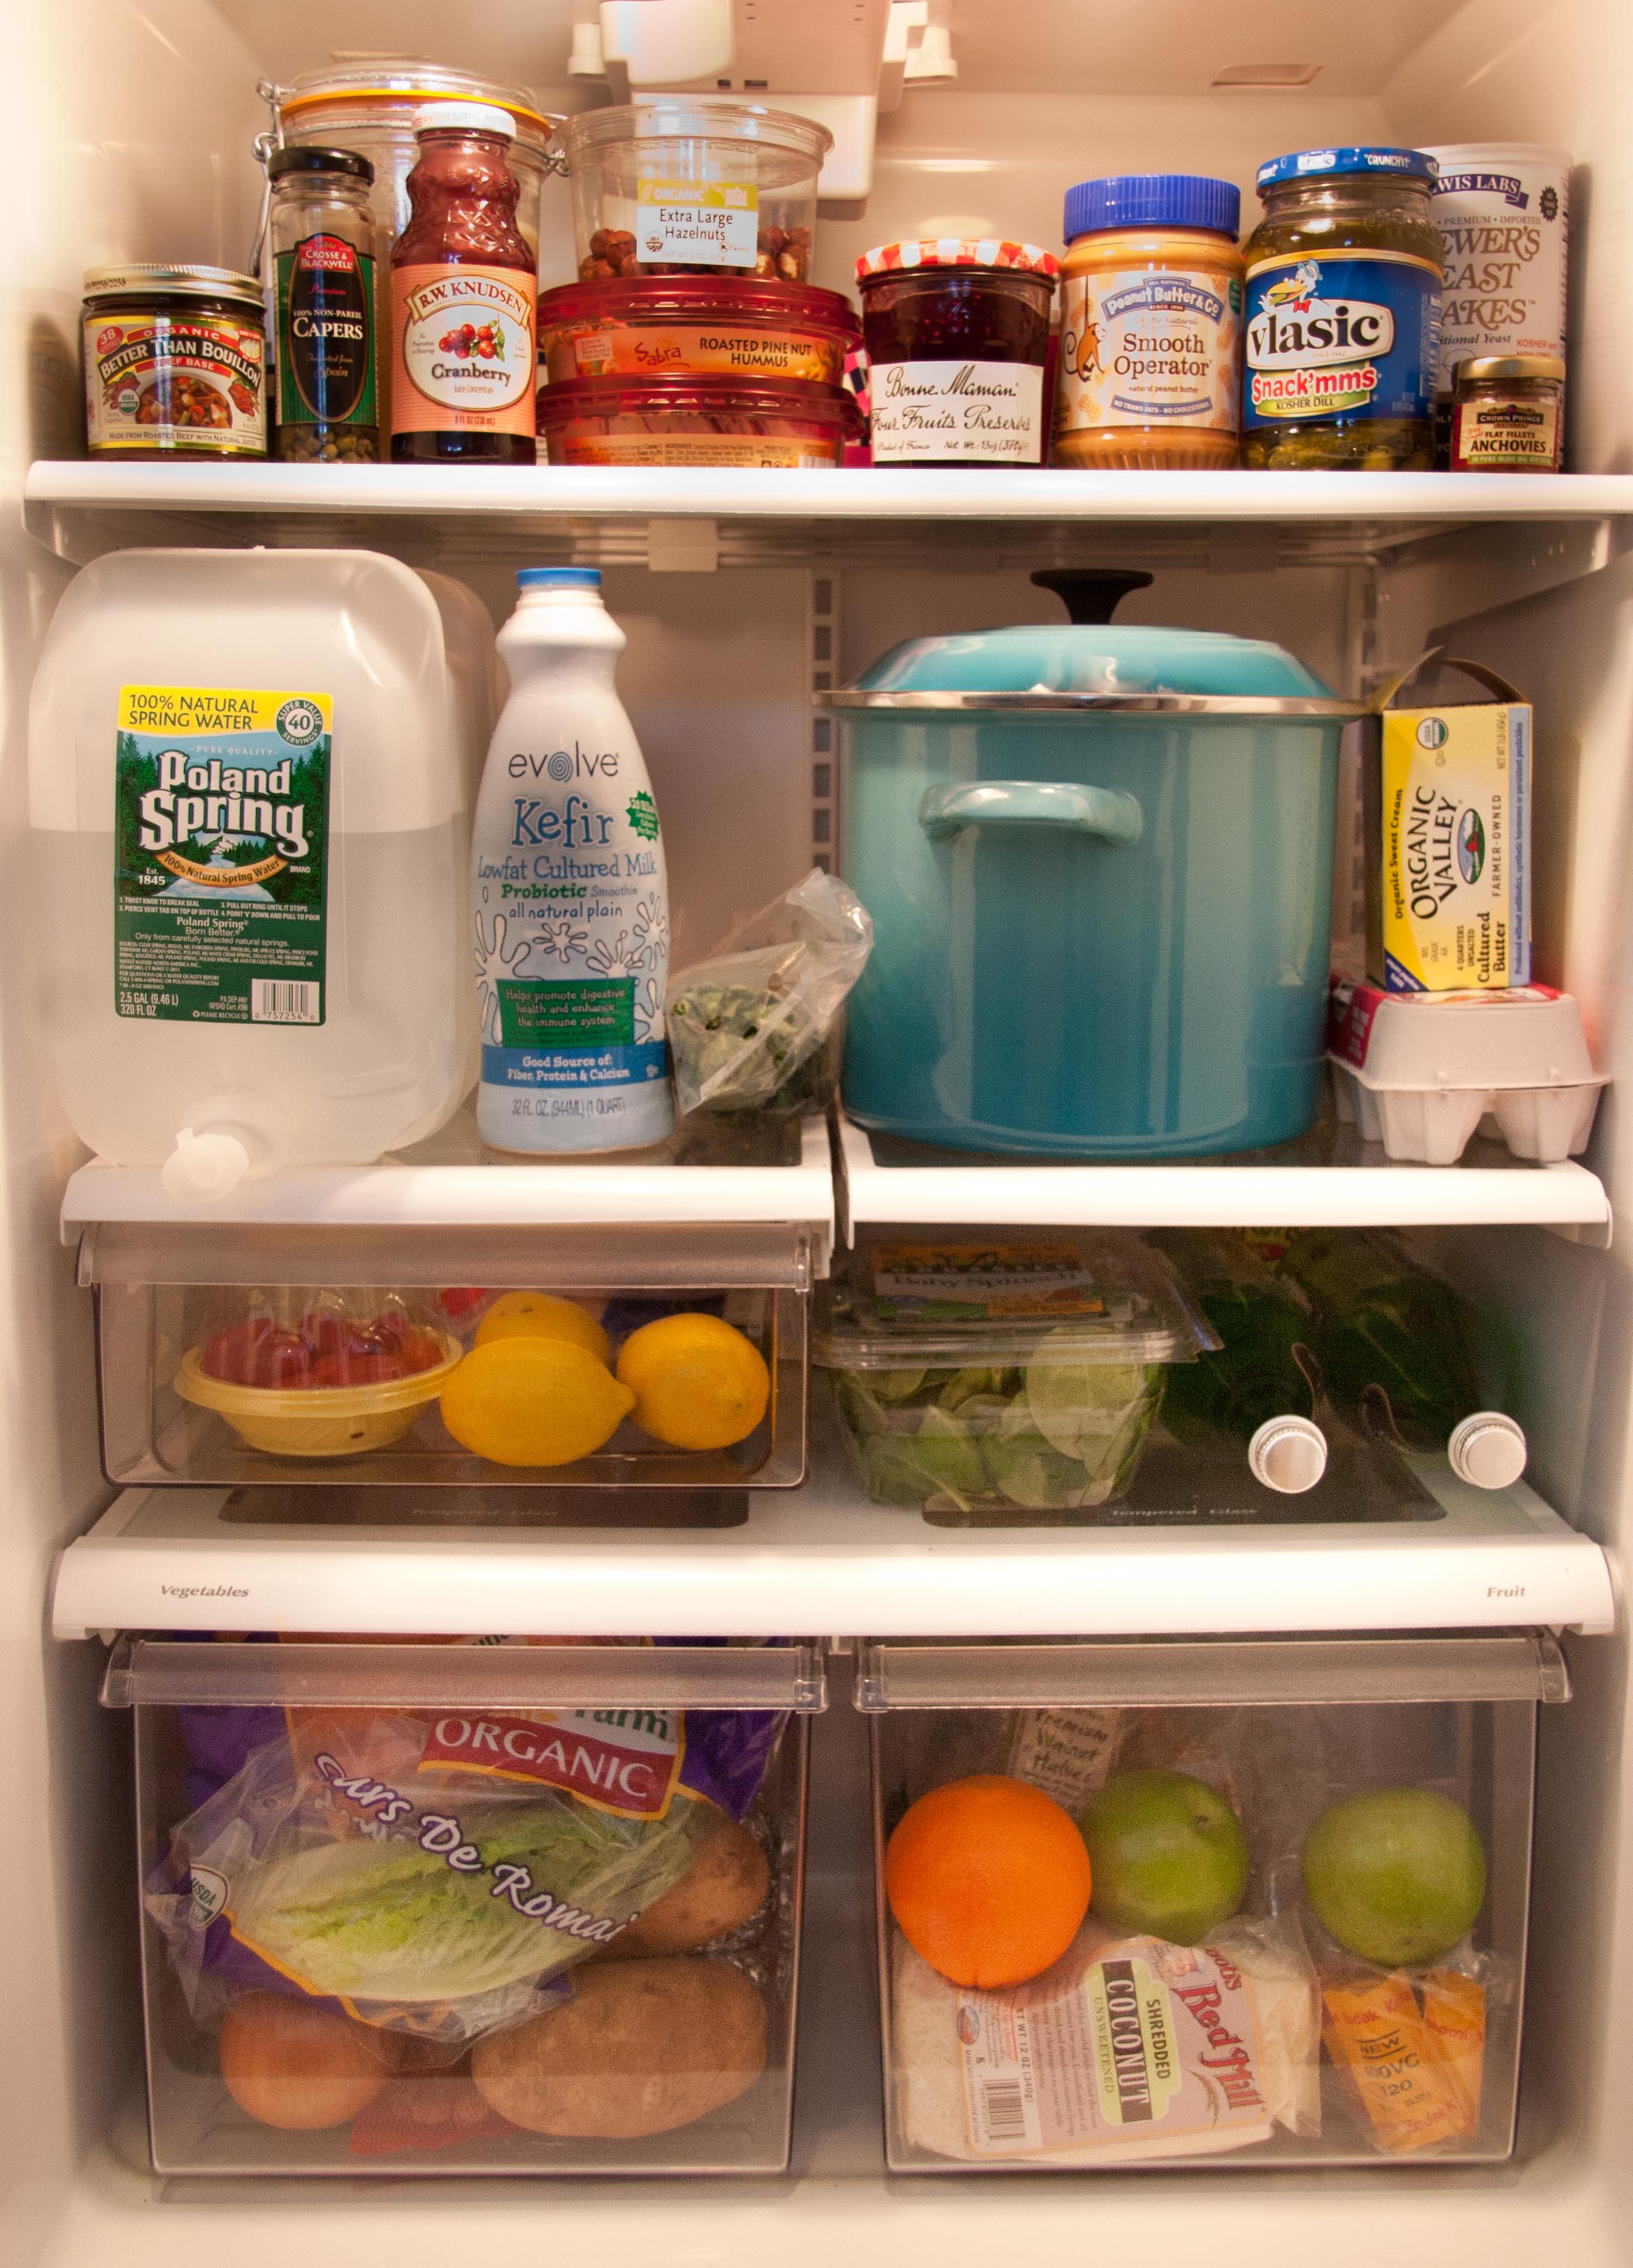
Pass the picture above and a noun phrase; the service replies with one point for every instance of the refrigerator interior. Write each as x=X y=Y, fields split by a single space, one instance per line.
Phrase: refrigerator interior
x=129 y=139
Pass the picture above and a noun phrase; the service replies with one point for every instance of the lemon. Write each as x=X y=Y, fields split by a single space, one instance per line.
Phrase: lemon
x=697 y=1383
x=533 y=1401
x=542 y=1315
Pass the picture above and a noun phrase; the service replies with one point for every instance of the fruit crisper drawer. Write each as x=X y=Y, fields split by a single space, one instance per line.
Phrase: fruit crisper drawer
x=1141 y=1903
x=502 y=1908
x=605 y=1357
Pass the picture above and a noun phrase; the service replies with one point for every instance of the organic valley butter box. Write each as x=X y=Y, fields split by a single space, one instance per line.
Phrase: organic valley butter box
x=1448 y=829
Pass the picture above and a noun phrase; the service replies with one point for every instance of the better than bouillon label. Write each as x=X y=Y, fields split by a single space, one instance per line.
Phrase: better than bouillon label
x=221 y=854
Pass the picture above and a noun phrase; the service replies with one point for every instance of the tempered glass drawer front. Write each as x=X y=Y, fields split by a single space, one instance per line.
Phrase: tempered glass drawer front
x=1246 y=1903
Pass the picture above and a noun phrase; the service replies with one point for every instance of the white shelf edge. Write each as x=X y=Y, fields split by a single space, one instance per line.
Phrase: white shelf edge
x=842 y=494
x=1206 y=1195
x=822 y=1558
x=395 y=1194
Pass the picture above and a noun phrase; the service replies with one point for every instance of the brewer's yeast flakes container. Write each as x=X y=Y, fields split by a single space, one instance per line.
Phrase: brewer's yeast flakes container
x=1501 y=208
x=1150 y=324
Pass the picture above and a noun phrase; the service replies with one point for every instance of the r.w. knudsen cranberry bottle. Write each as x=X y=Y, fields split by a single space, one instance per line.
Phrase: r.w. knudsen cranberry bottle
x=464 y=290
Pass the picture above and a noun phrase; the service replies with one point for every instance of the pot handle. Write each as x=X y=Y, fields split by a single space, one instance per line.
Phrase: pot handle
x=1105 y=812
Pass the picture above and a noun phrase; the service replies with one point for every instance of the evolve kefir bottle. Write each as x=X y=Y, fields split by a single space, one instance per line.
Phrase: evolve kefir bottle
x=251 y=831
x=570 y=900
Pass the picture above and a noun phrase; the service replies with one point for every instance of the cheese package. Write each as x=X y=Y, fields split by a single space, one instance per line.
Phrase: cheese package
x=1447 y=808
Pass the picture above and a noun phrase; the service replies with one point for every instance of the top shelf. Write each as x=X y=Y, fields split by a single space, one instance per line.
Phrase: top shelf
x=607 y=511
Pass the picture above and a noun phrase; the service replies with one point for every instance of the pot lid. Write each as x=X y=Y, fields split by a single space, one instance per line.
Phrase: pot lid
x=1090 y=660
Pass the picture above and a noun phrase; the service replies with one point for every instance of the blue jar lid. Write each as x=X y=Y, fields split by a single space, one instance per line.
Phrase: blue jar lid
x=571 y=578
x=1358 y=157
x=1153 y=201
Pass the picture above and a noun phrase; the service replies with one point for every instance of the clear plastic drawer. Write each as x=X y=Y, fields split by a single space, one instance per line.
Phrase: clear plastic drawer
x=469 y=1908
x=650 y=1358
x=1243 y=1902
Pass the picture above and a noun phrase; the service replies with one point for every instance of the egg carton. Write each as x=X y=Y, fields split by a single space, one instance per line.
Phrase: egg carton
x=1424 y=1072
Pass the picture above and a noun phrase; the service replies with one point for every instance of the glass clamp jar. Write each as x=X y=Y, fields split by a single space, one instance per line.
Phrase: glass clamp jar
x=322 y=247
x=1508 y=414
x=1342 y=322
x=1151 y=325
x=956 y=331
x=174 y=362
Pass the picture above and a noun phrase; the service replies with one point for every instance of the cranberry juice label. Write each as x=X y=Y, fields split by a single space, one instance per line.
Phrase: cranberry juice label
x=1356 y=337
x=462 y=350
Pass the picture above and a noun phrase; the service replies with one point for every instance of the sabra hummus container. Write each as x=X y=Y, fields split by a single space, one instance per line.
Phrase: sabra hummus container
x=174 y=362
x=710 y=420
x=670 y=327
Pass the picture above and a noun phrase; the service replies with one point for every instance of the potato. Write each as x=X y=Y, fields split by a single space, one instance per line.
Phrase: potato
x=643 y=2046
x=290 y=2063
x=724 y=1885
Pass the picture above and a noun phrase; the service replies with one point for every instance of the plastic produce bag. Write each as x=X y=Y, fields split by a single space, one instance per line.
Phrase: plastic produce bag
x=748 y=1027
x=435 y=1872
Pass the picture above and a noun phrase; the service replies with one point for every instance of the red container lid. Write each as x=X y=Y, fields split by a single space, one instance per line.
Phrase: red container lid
x=694 y=395
x=957 y=252
x=702 y=299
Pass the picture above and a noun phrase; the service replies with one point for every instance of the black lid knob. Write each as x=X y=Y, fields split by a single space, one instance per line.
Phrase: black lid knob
x=1091 y=594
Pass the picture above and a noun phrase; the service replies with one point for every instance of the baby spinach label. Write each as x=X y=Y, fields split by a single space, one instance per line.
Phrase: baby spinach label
x=221 y=855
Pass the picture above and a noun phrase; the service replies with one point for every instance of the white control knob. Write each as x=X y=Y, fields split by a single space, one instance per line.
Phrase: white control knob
x=1288 y=1454
x=204 y=1167
x=1488 y=1450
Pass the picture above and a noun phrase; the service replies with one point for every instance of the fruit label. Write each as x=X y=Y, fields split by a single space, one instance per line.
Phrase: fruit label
x=1153 y=2044
x=1450 y=909
x=969 y=1283
x=1149 y=346
x=957 y=413
x=184 y=382
x=221 y=854
x=1357 y=336
x=325 y=334
x=461 y=349
x=700 y=224
x=1065 y=1752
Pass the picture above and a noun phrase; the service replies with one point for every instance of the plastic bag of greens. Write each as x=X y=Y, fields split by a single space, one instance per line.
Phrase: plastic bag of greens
x=435 y=1872
x=749 y=1028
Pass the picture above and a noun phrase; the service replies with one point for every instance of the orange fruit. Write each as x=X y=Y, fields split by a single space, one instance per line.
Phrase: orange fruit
x=988 y=1880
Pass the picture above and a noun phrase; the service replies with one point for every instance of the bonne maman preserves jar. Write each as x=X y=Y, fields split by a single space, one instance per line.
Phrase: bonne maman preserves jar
x=957 y=336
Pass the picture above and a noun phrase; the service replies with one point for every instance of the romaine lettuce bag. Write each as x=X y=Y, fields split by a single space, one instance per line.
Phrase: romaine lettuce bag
x=434 y=1872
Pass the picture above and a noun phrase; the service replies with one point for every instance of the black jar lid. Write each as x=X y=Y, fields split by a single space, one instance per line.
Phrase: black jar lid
x=309 y=158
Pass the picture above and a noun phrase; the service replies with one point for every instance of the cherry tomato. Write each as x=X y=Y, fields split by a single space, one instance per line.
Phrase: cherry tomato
x=279 y=1358
x=230 y=1355
x=357 y=1370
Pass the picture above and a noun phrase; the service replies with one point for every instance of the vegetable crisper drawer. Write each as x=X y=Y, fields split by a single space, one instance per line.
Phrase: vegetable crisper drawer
x=468 y=1908
x=604 y=1356
x=1251 y=1902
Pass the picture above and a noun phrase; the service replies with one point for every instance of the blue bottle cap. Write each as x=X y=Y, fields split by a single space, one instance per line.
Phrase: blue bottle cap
x=571 y=578
x=1153 y=201
x=1358 y=157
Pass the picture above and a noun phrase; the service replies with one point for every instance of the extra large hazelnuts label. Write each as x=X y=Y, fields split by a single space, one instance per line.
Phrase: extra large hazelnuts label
x=462 y=349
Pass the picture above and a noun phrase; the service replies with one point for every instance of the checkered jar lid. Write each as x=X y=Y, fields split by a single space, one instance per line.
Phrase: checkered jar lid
x=957 y=252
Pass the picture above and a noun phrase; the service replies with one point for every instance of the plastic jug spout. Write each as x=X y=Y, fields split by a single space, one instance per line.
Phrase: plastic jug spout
x=239 y=1138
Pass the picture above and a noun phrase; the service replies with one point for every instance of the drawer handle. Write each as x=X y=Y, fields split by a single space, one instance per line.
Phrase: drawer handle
x=1102 y=812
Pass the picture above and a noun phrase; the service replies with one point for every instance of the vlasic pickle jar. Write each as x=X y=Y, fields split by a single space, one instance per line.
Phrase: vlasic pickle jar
x=1342 y=321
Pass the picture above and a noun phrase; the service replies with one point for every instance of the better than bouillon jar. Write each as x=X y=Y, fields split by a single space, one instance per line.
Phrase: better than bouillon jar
x=322 y=247
x=174 y=362
x=1342 y=322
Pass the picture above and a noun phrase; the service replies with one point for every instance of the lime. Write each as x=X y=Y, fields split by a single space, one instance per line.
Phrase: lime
x=1167 y=1855
x=1396 y=1875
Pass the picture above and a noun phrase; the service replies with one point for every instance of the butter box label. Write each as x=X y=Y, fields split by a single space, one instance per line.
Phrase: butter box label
x=1453 y=909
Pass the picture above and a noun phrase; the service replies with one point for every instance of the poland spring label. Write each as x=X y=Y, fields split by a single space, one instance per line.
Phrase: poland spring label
x=221 y=854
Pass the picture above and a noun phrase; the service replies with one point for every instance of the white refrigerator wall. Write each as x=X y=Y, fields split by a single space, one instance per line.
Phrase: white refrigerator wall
x=127 y=137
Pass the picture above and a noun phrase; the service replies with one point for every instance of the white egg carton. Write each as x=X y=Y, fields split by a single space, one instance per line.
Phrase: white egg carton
x=1423 y=1072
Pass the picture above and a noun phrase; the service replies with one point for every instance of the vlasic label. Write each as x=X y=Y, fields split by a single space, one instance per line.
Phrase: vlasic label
x=1357 y=336
x=221 y=854
x=462 y=349
x=711 y=224
x=1143 y=346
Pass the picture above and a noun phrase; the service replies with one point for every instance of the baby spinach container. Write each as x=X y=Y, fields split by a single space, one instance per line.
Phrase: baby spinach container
x=1098 y=860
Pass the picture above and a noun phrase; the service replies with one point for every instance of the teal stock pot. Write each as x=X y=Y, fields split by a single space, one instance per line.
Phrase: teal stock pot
x=1098 y=859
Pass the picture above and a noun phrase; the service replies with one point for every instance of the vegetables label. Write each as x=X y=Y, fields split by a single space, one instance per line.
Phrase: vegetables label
x=221 y=855
x=1357 y=336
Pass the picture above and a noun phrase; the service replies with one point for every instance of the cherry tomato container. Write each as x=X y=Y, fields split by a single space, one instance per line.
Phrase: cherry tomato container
x=619 y=1368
